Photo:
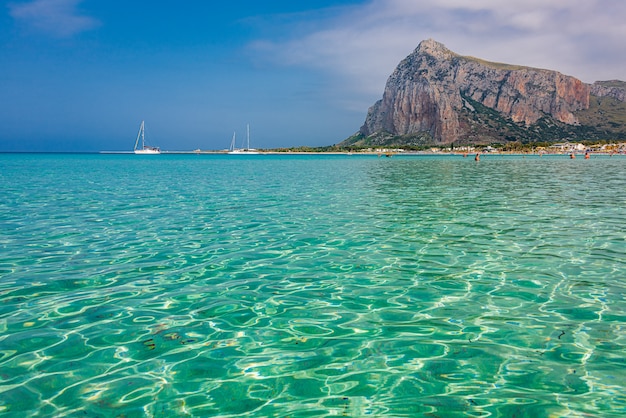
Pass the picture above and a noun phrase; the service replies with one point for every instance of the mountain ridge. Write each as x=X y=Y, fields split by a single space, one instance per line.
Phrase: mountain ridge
x=436 y=97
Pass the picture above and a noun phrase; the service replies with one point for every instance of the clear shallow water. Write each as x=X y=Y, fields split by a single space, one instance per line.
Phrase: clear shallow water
x=312 y=286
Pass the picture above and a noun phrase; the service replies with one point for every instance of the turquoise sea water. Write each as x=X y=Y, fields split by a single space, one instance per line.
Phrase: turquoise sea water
x=312 y=286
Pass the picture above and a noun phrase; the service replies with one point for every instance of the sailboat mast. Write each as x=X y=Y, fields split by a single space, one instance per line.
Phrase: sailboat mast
x=248 y=132
x=140 y=135
x=143 y=136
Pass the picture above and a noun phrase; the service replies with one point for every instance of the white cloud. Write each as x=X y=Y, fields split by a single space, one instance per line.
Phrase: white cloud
x=361 y=45
x=56 y=17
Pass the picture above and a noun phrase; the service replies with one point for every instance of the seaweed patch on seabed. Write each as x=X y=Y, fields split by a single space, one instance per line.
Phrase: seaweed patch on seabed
x=345 y=406
x=151 y=344
x=561 y=334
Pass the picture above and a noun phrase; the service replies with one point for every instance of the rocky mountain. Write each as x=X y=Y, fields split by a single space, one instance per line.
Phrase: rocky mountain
x=436 y=96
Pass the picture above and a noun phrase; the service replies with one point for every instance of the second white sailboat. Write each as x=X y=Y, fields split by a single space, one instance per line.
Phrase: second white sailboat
x=245 y=150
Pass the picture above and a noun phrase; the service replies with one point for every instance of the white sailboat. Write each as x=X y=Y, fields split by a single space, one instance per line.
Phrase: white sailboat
x=239 y=151
x=144 y=149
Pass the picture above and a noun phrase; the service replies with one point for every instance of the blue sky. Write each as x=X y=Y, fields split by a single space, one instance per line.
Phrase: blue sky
x=80 y=75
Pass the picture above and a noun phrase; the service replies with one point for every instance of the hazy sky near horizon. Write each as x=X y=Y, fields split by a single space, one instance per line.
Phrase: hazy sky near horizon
x=80 y=75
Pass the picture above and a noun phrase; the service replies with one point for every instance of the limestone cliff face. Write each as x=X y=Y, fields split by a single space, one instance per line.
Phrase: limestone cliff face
x=429 y=89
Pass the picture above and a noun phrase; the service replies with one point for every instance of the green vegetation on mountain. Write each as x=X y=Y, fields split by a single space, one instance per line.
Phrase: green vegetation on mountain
x=607 y=115
x=604 y=120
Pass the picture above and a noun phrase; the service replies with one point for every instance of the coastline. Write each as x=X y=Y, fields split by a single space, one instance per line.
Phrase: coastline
x=376 y=153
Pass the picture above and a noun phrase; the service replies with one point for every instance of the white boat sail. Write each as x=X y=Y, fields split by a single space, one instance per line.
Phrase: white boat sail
x=239 y=151
x=232 y=149
x=144 y=149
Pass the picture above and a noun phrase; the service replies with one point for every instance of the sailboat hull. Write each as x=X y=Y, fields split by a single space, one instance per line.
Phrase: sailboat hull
x=147 y=151
x=242 y=152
